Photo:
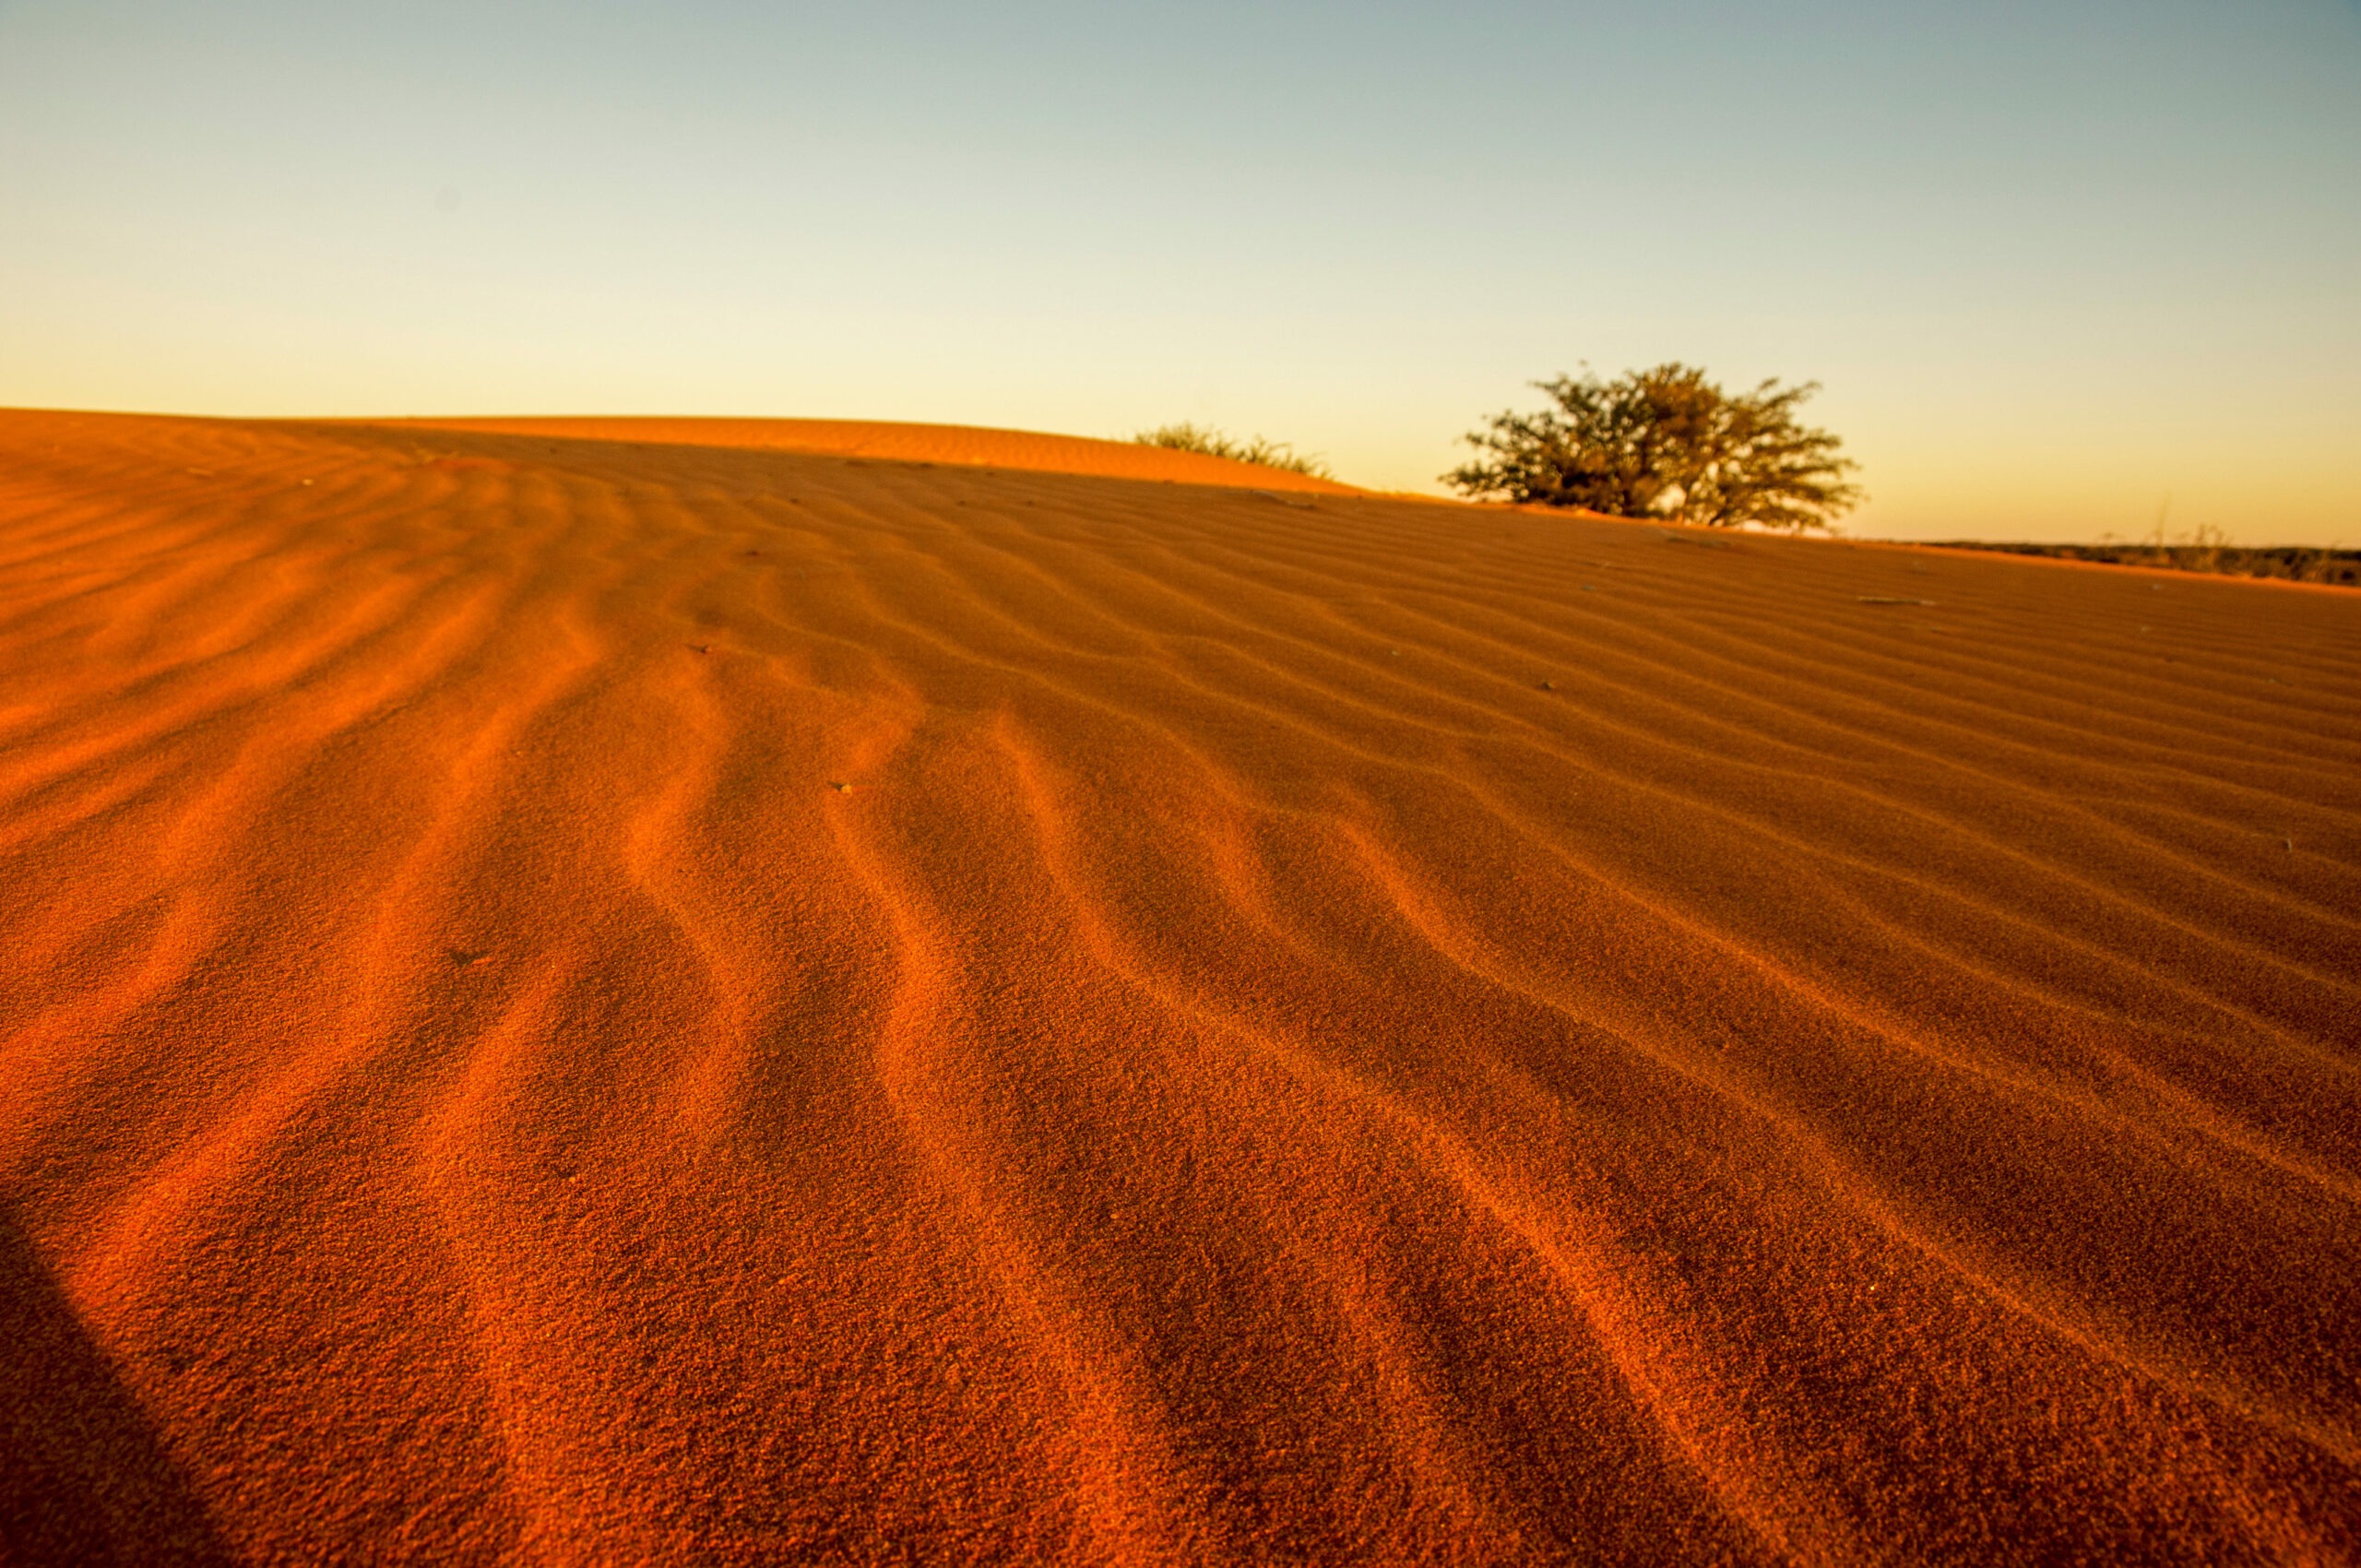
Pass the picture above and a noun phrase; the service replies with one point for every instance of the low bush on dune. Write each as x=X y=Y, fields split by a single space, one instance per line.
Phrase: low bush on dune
x=1214 y=444
x=1665 y=442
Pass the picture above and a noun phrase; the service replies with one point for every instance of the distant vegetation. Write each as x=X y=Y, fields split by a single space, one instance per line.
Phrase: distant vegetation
x=1214 y=444
x=2205 y=551
x=1665 y=442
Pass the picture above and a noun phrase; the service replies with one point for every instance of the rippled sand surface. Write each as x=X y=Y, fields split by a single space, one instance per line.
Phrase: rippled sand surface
x=594 y=993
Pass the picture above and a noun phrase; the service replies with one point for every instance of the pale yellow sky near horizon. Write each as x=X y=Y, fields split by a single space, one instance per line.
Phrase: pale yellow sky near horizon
x=2062 y=270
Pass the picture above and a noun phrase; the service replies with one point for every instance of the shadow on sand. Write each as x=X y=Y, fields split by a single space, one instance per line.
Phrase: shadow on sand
x=83 y=1477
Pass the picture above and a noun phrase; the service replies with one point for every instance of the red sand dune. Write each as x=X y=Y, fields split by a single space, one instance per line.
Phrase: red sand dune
x=644 y=1001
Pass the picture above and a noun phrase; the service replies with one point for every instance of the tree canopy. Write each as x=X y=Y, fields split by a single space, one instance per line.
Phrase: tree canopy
x=1665 y=442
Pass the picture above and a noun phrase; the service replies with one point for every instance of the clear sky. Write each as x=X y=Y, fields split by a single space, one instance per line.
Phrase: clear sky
x=2060 y=266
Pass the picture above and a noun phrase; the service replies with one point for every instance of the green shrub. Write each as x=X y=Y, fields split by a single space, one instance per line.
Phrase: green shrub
x=1214 y=444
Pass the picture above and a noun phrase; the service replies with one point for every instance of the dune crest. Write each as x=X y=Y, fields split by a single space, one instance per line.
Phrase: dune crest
x=734 y=991
x=957 y=444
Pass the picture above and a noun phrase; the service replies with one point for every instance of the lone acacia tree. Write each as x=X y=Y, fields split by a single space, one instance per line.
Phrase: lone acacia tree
x=1665 y=442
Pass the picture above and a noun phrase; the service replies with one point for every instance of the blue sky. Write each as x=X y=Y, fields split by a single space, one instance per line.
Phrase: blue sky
x=2059 y=268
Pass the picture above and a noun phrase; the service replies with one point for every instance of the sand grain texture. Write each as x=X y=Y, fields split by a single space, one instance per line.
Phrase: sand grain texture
x=578 y=995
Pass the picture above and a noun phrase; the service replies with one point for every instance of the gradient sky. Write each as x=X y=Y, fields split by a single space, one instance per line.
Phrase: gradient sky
x=2061 y=267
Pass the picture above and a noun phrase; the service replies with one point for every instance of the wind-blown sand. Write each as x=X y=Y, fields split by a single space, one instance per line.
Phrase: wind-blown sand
x=642 y=1000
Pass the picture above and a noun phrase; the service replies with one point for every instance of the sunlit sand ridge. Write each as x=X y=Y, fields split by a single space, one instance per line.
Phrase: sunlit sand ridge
x=637 y=999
